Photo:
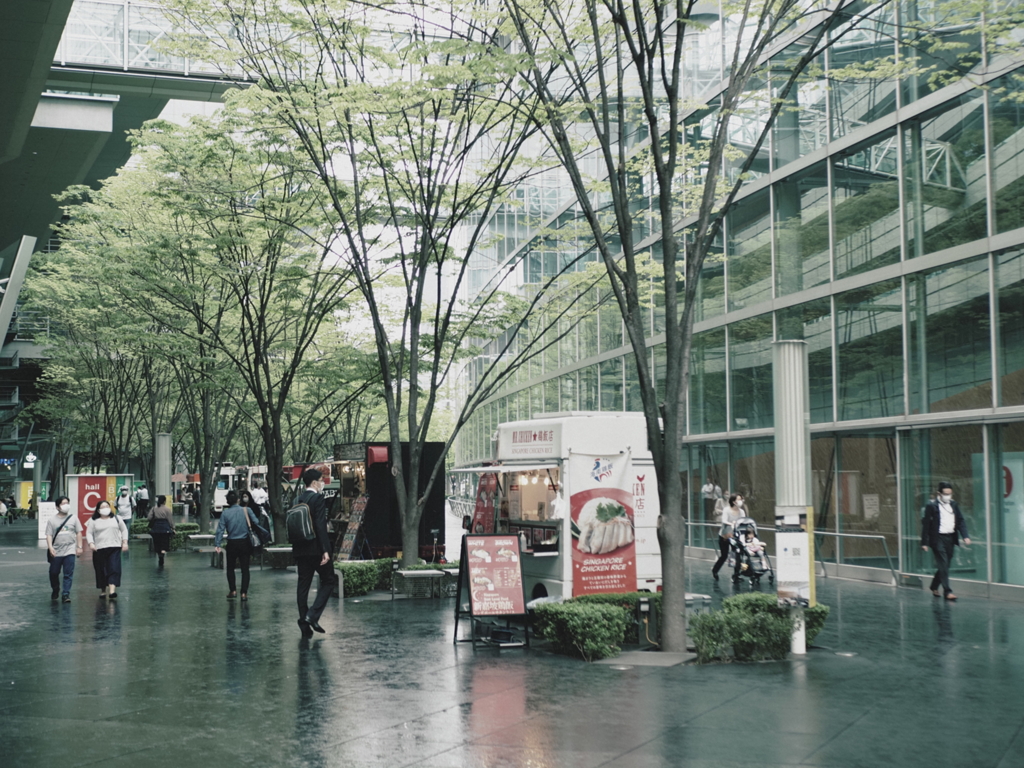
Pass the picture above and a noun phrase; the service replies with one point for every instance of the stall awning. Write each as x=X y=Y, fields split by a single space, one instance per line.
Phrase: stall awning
x=376 y=454
x=553 y=464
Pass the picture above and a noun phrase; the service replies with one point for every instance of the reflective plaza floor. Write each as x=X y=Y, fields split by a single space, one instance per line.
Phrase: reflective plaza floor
x=174 y=674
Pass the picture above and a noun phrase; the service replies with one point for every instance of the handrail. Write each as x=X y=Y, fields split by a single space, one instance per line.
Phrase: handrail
x=885 y=544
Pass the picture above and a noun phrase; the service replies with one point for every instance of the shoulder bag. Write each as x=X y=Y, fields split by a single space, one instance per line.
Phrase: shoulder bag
x=255 y=532
x=49 y=557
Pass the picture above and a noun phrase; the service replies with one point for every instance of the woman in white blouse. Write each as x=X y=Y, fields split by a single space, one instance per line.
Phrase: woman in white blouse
x=108 y=538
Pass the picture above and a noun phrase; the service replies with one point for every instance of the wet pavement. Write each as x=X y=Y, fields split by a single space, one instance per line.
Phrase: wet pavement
x=174 y=674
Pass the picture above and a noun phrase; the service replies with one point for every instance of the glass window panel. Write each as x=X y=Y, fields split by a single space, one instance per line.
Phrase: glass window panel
x=708 y=461
x=94 y=34
x=945 y=184
x=611 y=385
x=867 y=498
x=634 y=402
x=856 y=98
x=750 y=367
x=950 y=340
x=710 y=300
x=610 y=320
x=823 y=489
x=567 y=329
x=1007 y=150
x=1010 y=287
x=801 y=231
x=567 y=392
x=749 y=256
x=753 y=475
x=1008 y=515
x=551 y=396
x=745 y=128
x=587 y=328
x=802 y=124
x=941 y=43
x=812 y=322
x=866 y=207
x=707 y=382
x=953 y=455
x=869 y=331
x=588 y=394
x=536 y=400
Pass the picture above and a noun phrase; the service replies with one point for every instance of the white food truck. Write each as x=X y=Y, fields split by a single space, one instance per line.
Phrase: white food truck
x=580 y=491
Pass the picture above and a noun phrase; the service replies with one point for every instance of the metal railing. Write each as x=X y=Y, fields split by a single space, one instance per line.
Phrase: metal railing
x=766 y=529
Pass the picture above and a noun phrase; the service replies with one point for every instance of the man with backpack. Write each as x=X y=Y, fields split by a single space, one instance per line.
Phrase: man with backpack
x=311 y=547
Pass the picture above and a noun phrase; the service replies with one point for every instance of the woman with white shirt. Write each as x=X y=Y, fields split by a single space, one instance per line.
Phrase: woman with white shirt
x=108 y=538
x=731 y=512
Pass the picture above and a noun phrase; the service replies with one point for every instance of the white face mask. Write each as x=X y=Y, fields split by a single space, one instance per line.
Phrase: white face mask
x=947 y=496
x=124 y=493
x=65 y=508
x=739 y=502
x=105 y=512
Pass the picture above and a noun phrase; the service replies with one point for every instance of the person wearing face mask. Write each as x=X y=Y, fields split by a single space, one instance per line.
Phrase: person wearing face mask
x=233 y=523
x=64 y=543
x=125 y=504
x=942 y=527
x=728 y=515
x=108 y=538
x=314 y=556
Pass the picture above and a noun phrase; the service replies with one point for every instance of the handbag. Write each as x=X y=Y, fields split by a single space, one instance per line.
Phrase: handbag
x=49 y=557
x=256 y=533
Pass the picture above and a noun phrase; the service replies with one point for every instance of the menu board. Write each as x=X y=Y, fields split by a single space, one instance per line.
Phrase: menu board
x=355 y=521
x=493 y=574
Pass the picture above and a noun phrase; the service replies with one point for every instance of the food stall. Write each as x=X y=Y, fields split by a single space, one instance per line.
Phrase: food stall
x=579 y=491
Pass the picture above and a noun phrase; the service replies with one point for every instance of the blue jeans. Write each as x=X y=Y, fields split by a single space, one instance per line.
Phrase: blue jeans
x=67 y=562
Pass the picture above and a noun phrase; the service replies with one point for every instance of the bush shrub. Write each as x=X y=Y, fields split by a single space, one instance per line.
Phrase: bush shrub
x=710 y=636
x=754 y=626
x=362 y=576
x=586 y=631
x=139 y=525
x=181 y=533
x=627 y=601
x=814 y=619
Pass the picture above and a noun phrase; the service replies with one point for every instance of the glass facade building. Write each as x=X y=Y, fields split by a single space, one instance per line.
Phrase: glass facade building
x=883 y=225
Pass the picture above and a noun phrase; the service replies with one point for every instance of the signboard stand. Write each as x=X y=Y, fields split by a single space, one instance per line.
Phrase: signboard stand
x=491 y=585
x=355 y=522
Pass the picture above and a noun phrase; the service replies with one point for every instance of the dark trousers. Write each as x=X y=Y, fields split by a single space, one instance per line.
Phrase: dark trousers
x=161 y=541
x=67 y=562
x=307 y=565
x=107 y=564
x=723 y=548
x=239 y=551
x=942 y=550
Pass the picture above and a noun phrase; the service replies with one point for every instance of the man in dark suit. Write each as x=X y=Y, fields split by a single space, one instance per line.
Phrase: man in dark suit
x=314 y=556
x=941 y=529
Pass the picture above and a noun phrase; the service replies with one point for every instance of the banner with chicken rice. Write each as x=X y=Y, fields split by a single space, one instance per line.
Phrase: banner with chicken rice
x=601 y=507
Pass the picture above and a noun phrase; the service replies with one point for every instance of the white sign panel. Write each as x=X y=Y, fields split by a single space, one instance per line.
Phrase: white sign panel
x=523 y=441
x=47 y=509
x=793 y=567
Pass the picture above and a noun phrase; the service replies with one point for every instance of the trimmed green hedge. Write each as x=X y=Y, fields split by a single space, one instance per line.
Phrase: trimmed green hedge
x=753 y=626
x=626 y=601
x=178 y=540
x=588 y=631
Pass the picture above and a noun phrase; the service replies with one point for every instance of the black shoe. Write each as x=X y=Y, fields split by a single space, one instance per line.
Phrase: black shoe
x=714 y=576
x=67 y=598
x=161 y=561
x=55 y=595
x=316 y=626
x=113 y=595
x=305 y=628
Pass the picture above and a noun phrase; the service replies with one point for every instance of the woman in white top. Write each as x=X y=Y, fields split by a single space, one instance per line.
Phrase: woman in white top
x=108 y=538
x=731 y=512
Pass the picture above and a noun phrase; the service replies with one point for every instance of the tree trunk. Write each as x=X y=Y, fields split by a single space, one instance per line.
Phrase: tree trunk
x=672 y=541
x=411 y=533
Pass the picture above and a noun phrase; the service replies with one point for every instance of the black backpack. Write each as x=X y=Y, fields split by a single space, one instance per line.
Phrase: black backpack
x=299 y=521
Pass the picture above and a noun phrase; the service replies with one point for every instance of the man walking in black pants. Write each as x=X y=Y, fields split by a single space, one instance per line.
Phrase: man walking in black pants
x=314 y=555
x=941 y=528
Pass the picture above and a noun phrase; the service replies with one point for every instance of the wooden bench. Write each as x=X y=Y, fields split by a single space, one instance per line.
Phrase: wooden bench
x=428 y=578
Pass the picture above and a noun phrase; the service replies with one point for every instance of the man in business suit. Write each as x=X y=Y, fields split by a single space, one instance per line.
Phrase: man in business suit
x=941 y=529
x=314 y=556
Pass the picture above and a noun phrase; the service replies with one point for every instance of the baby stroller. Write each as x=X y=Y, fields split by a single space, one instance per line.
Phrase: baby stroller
x=751 y=566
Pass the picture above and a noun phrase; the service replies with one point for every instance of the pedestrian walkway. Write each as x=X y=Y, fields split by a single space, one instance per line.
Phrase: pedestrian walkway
x=173 y=674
